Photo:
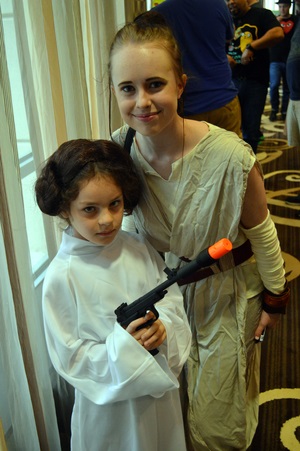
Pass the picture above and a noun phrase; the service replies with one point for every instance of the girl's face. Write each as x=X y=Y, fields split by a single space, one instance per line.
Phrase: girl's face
x=97 y=212
x=146 y=87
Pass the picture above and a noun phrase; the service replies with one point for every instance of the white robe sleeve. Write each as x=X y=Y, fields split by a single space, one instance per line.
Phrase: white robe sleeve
x=176 y=347
x=117 y=368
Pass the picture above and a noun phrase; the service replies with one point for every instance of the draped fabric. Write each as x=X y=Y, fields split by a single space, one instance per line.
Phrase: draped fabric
x=63 y=53
x=22 y=348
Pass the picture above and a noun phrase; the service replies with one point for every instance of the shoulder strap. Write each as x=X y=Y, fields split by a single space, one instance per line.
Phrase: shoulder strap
x=129 y=139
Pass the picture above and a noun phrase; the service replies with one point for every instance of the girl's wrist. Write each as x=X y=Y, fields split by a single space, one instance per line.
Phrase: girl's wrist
x=276 y=303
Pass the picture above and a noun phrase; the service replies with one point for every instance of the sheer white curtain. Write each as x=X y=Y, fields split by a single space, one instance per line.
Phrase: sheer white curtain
x=64 y=54
x=63 y=51
x=23 y=353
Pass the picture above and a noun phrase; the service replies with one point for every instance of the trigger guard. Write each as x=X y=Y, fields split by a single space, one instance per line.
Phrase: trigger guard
x=150 y=321
x=153 y=310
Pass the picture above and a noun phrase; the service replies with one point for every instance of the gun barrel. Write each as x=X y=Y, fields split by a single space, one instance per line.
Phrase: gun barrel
x=206 y=258
x=127 y=313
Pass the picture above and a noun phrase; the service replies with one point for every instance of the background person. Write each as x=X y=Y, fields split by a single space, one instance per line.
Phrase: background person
x=278 y=57
x=201 y=28
x=254 y=3
x=202 y=183
x=256 y=29
x=293 y=112
x=125 y=398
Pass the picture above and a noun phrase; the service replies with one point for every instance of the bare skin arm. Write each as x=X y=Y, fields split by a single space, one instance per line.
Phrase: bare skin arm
x=231 y=61
x=269 y=39
x=255 y=208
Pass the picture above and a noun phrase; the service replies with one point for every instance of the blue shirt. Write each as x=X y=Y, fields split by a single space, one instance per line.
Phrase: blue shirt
x=202 y=28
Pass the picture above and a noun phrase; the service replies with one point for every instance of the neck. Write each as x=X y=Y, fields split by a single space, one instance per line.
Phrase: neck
x=167 y=142
x=241 y=12
x=161 y=150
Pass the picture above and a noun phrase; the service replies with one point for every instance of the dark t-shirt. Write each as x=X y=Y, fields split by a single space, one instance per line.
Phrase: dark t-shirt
x=253 y=25
x=293 y=65
x=280 y=51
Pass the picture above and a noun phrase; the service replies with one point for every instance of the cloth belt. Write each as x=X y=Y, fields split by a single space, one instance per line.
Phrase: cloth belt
x=233 y=258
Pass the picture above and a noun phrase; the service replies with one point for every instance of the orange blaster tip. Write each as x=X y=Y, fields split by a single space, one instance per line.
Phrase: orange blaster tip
x=220 y=248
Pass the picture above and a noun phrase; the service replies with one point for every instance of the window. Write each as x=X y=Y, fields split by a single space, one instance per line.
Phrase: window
x=34 y=219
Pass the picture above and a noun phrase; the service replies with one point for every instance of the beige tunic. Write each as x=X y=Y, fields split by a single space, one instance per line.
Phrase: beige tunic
x=199 y=204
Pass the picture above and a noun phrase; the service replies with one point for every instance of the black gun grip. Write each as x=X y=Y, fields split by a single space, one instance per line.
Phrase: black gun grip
x=150 y=321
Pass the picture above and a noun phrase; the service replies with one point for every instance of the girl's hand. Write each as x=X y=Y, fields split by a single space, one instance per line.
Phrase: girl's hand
x=149 y=336
x=266 y=320
x=154 y=336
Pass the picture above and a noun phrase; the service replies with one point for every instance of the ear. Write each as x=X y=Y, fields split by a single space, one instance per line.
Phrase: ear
x=181 y=85
x=64 y=215
x=113 y=89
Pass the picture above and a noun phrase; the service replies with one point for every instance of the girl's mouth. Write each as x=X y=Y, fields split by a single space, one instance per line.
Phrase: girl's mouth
x=147 y=117
x=107 y=233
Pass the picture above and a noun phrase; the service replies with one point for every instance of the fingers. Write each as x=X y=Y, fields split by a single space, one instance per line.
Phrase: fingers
x=267 y=320
x=247 y=57
x=246 y=60
x=259 y=333
x=150 y=336
x=154 y=336
x=131 y=328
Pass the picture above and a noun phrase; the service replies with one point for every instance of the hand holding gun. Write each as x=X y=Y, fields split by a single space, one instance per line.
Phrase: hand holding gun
x=138 y=309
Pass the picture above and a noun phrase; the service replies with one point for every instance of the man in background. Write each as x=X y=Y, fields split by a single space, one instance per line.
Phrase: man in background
x=293 y=111
x=254 y=3
x=202 y=28
x=256 y=29
x=278 y=57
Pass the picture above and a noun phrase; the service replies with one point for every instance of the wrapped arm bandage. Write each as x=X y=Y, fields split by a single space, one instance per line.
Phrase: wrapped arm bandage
x=266 y=249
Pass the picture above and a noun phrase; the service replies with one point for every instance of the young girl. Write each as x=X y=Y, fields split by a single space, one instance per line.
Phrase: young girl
x=202 y=184
x=125 y=398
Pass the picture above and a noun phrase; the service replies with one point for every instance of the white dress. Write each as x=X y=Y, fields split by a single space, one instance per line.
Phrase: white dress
x=199 y=204
x=125 y=399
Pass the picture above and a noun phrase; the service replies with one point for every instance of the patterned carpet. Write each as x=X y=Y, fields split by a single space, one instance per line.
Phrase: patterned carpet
x=279 y=419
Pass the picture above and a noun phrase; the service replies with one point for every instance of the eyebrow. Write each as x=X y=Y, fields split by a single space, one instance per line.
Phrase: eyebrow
x=147 y=80
x=124 y=83
x=88 y=202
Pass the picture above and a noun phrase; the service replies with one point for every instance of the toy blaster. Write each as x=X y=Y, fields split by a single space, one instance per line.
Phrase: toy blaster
x=138 y=309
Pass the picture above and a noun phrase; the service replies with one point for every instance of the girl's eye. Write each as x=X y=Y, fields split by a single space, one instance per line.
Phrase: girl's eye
x=127 y=89
x=115 y=203
x=89 y=209
x=156 y=84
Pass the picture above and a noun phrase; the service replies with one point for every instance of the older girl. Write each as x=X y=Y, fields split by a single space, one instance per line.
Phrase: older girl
x=202 y=184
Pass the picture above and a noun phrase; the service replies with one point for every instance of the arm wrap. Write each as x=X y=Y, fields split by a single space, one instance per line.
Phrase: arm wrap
x=266 y=249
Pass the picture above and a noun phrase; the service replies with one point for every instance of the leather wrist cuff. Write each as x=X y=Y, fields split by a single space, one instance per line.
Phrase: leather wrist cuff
x=276 y=303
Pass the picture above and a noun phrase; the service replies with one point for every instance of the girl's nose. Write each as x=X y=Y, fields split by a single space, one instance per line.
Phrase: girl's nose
x=105 y=218
x=143 y=99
